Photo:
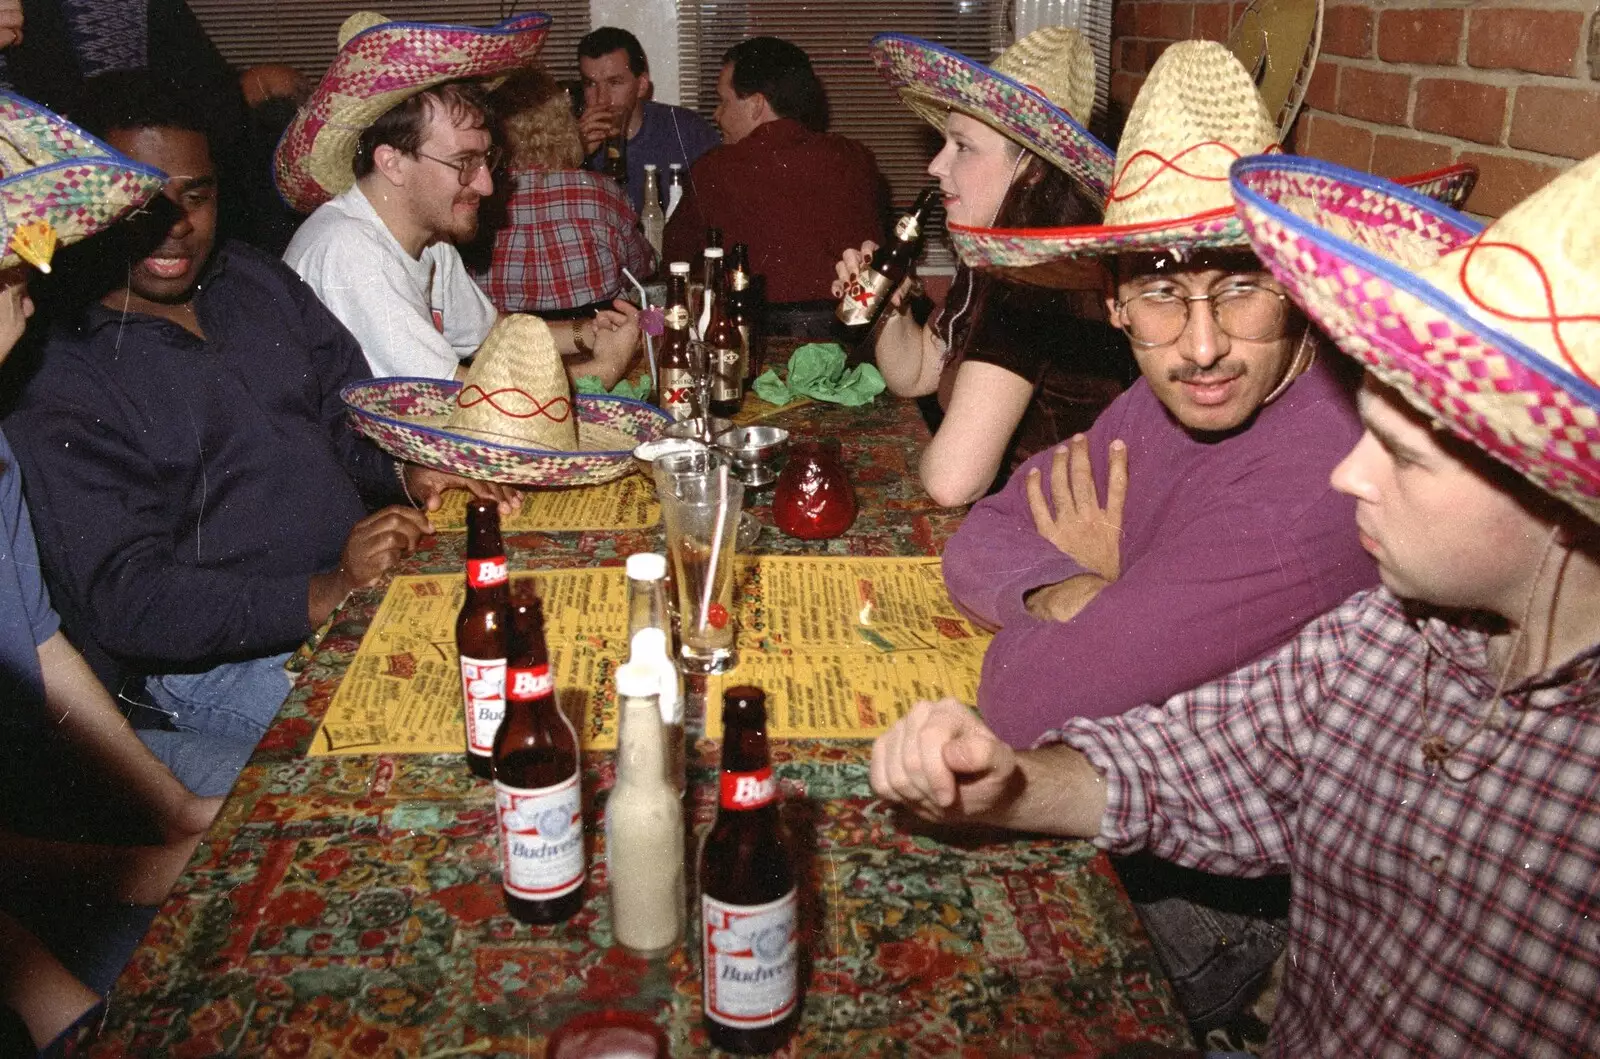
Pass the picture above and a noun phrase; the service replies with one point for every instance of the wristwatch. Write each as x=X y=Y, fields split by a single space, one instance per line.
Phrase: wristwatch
x=577 y=338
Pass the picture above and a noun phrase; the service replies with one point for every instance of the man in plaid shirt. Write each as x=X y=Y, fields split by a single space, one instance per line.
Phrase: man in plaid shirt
x=1425 y=759
x=568 y=235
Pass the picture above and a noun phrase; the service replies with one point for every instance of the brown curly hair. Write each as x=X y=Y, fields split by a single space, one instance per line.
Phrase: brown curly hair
x=536 y=122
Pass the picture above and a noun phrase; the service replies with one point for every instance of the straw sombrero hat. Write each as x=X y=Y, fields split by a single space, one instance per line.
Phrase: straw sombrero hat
x=1197 y=114
x=1493 y=332
x=1039 y=93
x=58 y=184
x=513 y=420
x=381 y=64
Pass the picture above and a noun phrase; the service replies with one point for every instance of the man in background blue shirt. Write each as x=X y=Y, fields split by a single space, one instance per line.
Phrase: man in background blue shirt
x=616 y=88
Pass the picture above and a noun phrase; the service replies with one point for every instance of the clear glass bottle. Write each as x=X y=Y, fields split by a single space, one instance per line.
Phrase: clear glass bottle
x=649 y=648
x=652 y=218
x=644 y=827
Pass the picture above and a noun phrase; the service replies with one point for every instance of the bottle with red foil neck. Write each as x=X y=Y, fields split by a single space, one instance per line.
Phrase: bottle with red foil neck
x=538 y=795
x=481 y=633
x=813 y=499
x=749 y=930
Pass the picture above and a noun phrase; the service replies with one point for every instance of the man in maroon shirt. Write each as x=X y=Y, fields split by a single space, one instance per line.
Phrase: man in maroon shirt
x=793 y=192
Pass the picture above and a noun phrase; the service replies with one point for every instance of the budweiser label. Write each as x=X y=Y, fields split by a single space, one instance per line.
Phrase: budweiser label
x=677 y=390
x=541 y=839
x=525 y=684
x=483 y=695
x=748 y=790
x=486 y=573
x=865 y=291
x=751 y=961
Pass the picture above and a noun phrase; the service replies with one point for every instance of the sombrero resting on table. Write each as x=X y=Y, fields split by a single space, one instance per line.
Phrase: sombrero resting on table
x=58 y=184
x=1197 y=113
x=513 y=420
x=380 y=65
x=1039 y=93
x=1493 y=332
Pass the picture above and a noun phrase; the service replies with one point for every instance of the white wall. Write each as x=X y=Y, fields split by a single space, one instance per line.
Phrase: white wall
x=655 y=23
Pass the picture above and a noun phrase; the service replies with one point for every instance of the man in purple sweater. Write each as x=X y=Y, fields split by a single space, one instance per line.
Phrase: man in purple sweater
x=1220 y=536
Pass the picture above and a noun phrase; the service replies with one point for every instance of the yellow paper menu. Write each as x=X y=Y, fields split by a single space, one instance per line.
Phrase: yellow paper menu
x=627 y=503
x=402 y=693
x=842 y=646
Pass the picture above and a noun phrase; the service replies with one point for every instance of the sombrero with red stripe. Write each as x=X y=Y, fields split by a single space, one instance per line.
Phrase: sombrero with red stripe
x=1038 y=93
x=381 y=64
x=514 y=419
x=1494 y=332
x=1196 y=115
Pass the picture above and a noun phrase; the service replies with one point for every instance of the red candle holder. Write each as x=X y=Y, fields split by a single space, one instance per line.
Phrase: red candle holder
x=813 y=499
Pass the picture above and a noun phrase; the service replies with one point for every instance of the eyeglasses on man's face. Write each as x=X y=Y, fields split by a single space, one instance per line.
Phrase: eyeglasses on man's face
x=1249 y=312
x=468 y=166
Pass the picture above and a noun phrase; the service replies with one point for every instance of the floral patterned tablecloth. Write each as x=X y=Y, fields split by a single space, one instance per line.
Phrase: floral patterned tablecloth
x=352 y=906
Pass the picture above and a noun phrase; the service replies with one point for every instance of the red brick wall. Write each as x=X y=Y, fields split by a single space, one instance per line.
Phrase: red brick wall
x=1403 y=85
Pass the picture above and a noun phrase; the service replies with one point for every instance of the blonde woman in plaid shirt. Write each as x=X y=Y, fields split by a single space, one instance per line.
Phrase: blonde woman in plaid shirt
x=1425 y=759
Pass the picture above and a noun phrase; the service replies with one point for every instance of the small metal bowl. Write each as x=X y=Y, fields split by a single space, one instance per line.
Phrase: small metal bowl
x=690 y=428
x=755 y=452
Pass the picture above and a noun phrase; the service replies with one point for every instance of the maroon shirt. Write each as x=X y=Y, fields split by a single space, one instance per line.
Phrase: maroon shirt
x=797 y=197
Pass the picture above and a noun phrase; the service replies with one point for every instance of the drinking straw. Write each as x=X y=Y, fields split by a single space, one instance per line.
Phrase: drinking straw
x=716 y=544
x=649 y=342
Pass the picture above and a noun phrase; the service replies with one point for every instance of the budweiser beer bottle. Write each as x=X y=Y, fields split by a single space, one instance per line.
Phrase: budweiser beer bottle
x=677 y=373
x=869 y=291
x=723 y=348
x=481 y=633
x=749 y=937
x=537 y=794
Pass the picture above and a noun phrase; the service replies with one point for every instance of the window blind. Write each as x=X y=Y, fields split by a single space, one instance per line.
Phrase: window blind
x=305 y=33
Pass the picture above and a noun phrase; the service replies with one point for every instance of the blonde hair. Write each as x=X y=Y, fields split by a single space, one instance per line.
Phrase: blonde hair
x=536 y=122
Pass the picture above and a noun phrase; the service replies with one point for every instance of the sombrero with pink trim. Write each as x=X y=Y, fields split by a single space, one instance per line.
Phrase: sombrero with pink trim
x=513 y=419
x=1038 y=93
x=381 y=64
x=58 y=184
x=1495 y=332
x=1197 y=113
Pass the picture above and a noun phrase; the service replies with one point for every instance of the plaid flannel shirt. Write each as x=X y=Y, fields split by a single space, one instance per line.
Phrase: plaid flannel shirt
x=1432 y=915
x=567 y=237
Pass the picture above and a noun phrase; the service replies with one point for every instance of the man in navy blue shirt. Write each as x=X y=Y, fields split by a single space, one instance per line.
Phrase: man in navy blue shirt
x=200 y=501
x=616 y=94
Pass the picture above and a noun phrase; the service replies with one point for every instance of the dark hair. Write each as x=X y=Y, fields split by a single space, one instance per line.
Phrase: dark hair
x=134 y=99
x=404 y=125
x=782 y=72
x=601 y=42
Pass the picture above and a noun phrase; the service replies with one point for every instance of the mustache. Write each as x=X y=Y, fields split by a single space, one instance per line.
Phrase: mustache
x=1216 y=373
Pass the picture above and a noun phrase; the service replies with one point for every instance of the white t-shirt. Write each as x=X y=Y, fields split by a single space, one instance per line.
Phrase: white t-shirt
x=412 y=316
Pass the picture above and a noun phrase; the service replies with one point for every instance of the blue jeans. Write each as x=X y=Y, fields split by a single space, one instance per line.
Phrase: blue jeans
x=218 y=717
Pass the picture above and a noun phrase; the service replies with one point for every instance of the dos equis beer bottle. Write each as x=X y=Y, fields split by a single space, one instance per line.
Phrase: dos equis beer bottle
x=749 y=938
x=677 y=373
x=871 y=288
x=537 y=790
x=481 y=633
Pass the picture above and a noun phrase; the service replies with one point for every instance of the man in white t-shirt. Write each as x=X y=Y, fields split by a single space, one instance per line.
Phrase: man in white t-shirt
x=380 y=252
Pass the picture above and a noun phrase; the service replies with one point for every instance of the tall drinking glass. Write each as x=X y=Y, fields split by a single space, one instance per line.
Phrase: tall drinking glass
x=700 y=503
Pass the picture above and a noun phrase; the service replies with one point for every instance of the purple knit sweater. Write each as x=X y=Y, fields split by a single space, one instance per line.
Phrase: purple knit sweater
x=1228 y=548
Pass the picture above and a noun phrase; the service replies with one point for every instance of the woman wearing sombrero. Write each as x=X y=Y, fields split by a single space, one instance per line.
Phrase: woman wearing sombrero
x=58 y=185
x=1015 y=369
